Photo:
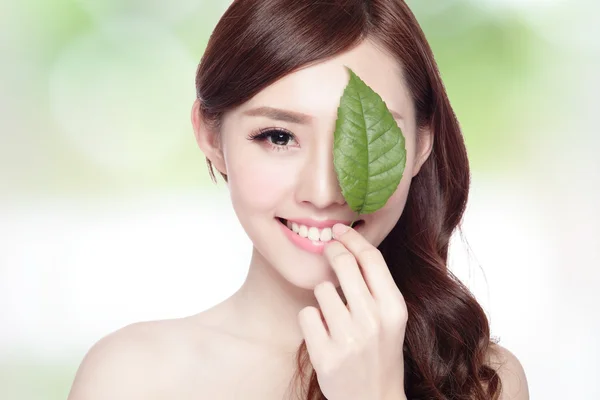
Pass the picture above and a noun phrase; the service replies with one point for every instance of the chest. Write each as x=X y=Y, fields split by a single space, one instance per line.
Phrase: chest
x=243 y=377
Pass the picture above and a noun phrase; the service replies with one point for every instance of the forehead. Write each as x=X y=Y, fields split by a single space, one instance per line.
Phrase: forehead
x=316 y=89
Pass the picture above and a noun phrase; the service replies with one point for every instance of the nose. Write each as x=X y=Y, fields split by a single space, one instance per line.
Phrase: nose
x=318 y=183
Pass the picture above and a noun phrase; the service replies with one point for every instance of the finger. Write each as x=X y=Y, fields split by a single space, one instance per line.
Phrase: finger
x=334 y=310
x=375 y=270
x=359 y=298
x=314 y=332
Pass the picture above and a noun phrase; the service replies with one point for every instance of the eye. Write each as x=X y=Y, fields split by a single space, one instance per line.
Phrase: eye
x=278 y=138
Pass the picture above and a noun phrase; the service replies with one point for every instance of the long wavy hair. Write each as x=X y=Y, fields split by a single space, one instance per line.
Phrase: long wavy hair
x=257 y=42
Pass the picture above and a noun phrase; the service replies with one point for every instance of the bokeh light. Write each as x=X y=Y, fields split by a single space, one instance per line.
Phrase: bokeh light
x=108 y=217
x=124 y=62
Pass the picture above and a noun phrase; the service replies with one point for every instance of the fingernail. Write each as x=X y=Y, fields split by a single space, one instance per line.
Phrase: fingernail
x=339 y=229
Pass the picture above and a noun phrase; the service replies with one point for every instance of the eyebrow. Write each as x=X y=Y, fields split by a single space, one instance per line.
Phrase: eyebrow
x=293 y=117
x=279 y=115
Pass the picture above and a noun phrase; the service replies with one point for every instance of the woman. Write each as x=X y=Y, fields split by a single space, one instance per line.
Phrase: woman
x=372 y=313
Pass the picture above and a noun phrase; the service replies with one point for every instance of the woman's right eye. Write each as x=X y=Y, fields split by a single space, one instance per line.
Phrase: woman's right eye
x=278 y=139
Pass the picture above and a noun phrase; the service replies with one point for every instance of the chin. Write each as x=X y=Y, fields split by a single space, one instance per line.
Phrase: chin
x=300 y=269
x=309 y=279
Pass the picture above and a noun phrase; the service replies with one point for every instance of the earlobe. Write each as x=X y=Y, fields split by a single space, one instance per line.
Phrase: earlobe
x=207 y=139
x=424 y=149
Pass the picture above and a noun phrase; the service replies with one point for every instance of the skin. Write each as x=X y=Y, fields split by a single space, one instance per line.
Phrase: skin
x=214 y=354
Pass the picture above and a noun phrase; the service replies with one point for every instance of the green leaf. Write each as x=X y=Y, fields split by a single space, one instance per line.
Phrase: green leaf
x=369 y=152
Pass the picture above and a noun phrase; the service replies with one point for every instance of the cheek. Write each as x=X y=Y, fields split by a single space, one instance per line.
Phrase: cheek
x=396 y=202
x=257 y=181
x=386 y=218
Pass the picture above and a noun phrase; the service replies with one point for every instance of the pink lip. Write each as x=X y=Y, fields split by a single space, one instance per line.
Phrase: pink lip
x=306 y=244
x=319 y=224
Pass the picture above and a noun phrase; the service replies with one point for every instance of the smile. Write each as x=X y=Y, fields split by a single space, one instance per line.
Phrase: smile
x=307 y=238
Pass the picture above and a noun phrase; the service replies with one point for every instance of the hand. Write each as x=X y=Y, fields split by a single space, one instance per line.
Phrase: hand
x=358 y=353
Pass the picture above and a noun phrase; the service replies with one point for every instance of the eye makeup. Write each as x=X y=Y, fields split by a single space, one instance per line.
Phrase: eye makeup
x=278 y=139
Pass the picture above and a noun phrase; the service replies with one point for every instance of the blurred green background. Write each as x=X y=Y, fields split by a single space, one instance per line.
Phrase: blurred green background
x=94 y=111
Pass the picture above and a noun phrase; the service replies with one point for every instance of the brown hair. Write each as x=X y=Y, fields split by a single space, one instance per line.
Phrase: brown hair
x=257 y=42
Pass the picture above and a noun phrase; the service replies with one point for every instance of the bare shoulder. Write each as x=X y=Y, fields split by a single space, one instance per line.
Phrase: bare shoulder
x=140 y=361
x=511 y=372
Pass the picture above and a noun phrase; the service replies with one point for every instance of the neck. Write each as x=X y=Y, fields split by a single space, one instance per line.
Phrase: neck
x=267 y=305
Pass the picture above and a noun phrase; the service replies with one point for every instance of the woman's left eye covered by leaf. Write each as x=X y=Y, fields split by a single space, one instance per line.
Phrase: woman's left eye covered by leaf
x=277 y=138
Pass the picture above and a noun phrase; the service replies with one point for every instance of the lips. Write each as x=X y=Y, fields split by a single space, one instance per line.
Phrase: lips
x=354 y=224
x=308 y=239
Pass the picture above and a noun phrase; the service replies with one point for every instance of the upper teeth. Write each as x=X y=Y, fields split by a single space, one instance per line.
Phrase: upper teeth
x=312 y=233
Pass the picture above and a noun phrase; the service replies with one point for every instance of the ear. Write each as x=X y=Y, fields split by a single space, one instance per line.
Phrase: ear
x=424 y=148
x=207 y=139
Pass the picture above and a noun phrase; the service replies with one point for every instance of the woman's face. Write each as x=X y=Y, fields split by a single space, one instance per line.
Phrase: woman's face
x=287 y=173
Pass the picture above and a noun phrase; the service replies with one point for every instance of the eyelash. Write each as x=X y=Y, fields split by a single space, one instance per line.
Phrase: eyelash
x=263 y=135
